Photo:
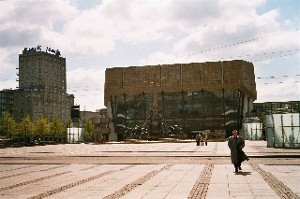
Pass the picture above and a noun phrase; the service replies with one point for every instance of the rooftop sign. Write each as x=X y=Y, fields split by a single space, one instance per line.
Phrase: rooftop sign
x=27 y=50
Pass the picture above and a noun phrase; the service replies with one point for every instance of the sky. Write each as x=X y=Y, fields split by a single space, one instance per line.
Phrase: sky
x=97 y=34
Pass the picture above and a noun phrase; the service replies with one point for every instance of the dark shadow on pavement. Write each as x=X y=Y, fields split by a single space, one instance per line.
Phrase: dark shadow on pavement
x=245 y=173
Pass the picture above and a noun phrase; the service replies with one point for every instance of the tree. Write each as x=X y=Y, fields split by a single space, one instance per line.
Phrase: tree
x=89 y=131
x=8 y=125
x=69 y=122
x=42 y=127
x=57 y=128
x=26 y=127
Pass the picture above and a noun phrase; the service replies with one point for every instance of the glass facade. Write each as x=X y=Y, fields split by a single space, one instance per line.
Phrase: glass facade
x=133 y=115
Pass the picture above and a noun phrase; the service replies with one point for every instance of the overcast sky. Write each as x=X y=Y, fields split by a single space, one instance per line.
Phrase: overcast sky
x=97 y=34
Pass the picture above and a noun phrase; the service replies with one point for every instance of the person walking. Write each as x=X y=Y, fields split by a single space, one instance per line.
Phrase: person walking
x=205 y=139
x=197 y=137
x=236 y=144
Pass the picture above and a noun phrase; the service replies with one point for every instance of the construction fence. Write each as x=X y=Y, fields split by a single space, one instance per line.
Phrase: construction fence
x=283 y=130
x=253 y=131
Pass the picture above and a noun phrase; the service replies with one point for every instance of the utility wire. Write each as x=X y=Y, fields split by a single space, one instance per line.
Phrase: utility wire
x=243 y=42
x=257 y=57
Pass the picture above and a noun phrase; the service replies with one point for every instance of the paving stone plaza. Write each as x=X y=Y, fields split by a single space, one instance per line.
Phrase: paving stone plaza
x=148 y=170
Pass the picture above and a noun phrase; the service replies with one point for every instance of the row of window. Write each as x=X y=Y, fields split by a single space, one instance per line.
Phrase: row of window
x=52 y=59
x=225 y=107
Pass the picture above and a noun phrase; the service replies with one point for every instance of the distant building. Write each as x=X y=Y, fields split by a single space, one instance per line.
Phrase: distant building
x=277 y=107
x=151 y=100
x=101 y=122
x=6 y=101
x=42 y=86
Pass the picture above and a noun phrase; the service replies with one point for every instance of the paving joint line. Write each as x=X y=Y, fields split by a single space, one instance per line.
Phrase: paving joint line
x=280 y=189
x=33 y=181
x=74 y=184
x=16 y=168
x=28 y=172
x=200 y=188
x=129 y=187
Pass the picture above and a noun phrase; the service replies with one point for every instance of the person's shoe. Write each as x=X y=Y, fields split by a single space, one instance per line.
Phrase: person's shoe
x=240 y=168
x=236 y=170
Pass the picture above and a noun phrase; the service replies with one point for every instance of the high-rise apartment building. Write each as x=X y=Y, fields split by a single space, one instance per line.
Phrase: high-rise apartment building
x=42 y=85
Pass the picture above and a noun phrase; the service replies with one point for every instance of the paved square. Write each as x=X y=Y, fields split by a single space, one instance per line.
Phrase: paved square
x=148 y=170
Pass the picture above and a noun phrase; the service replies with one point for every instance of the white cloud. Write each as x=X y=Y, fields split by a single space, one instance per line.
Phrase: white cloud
x=287 y=90
x=144 y=32
x=8 y=84
x=87 y=87
x=158 y=57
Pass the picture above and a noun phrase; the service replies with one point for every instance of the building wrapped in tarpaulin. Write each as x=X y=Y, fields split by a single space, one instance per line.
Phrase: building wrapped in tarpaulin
x=282 y=130
x=154 y=100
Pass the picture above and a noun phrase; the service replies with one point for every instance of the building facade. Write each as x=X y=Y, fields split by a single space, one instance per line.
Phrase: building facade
x=153 y=100
x=6 y=100
x=100 y=122
x=42 y=86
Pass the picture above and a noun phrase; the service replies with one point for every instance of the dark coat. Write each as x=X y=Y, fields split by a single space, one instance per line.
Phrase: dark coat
x=236 y=145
